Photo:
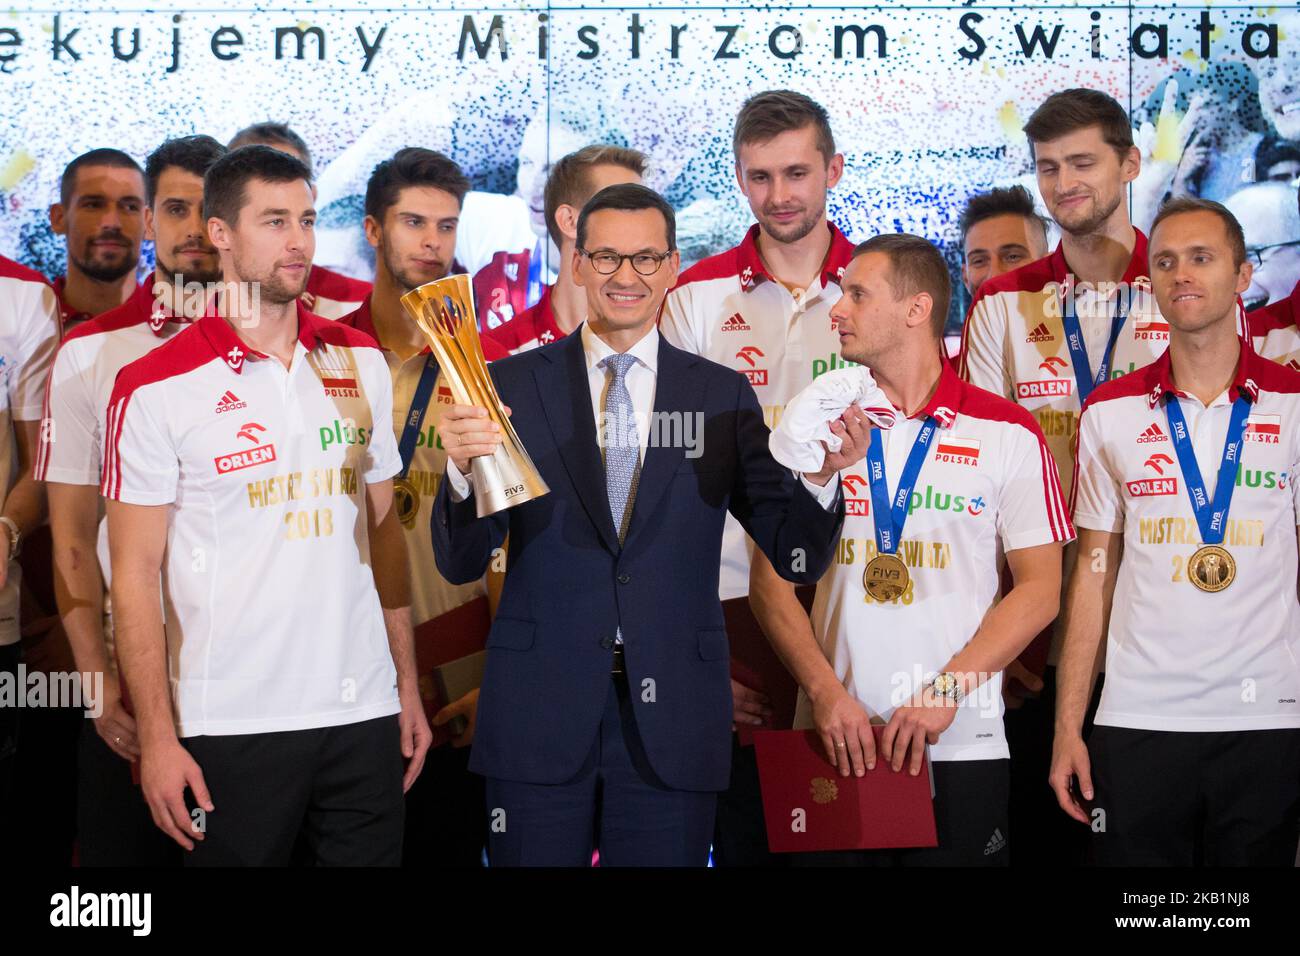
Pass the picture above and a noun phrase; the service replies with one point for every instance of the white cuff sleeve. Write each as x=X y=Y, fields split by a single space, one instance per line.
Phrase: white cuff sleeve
x=460 y=486
x=827 y=495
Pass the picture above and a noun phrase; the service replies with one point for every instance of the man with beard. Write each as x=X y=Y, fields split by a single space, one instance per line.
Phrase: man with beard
x=763 y=308
x=114 y=828
x=1000 y=231
x=329 y=294
x=101 y=212
x=413 y=205
x=242 y=460
x=943 y=621
x=1046 y=334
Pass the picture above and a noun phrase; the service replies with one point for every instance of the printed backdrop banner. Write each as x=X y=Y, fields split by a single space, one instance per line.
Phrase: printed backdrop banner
x=926 y=99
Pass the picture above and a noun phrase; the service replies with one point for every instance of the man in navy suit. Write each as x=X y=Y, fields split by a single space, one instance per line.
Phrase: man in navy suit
x=605 y=713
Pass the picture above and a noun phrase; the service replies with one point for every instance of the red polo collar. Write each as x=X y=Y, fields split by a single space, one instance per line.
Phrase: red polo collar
x=752 y=269
x=233 y=350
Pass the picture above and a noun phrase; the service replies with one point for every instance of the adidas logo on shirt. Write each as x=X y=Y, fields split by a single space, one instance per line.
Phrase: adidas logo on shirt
x=1041 y=333
x=1152 y=434
x=996 y=842
x=229 y=402
x=735 y=323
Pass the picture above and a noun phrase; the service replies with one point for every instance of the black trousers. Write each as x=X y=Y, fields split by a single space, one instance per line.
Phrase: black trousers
x=114 y=826
x=1045 y=835
x=615 y=803
x=970 y=818
x=340 y=787
x=1166 y=798
x=446 y=823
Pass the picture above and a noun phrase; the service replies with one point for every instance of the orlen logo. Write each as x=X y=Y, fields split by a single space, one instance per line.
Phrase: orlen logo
x=854 y=506
x=247 y=458
x=1158 y=462
x=1047 y=387
x=756 y=375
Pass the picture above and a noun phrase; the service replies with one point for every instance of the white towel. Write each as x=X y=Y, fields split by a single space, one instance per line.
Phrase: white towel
x=796 y=442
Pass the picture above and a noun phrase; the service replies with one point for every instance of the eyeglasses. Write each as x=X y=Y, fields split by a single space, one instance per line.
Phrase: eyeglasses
x=1255 y=255
x=607 y=263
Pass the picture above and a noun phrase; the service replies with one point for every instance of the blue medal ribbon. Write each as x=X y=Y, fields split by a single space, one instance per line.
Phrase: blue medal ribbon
x=1211 y=518
x=890 y=515
x=415 y=417
x=1083 y=377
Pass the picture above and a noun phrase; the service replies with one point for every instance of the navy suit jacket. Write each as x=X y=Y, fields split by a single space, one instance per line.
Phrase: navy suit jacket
x=569 y=585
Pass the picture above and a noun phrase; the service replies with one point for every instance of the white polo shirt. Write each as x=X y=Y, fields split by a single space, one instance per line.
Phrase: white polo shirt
x=729 y=309
x=1273 y=330
x=80 y=384
x=431 y=594
x=1178 y=658
x=29 y=335
x=987 y=486
x=272 y=618
x=1013 y=341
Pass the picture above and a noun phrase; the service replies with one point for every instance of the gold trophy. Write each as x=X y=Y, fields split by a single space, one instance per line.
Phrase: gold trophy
x=444 y=311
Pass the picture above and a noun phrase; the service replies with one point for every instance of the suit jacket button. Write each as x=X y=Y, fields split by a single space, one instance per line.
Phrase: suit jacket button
x=624 y=578
x=607 y=643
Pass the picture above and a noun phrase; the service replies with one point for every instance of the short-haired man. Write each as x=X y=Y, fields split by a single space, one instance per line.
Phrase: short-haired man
x=100 y=212
x=114 y=828
x=570 y=183
x=1045 y=335
x=976 y=478
x=1186 y=499
x=248 y=467
x=1000 y=231
x=413 y=206
x=763 y=308
x=29 y=333
x=605 y=709
x=329 y=294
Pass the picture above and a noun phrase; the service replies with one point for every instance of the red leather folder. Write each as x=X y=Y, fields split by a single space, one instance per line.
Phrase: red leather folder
x=809 y=807
x=458 y=633
x=756 y=665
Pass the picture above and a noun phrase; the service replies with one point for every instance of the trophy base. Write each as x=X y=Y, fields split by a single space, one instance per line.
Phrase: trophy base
x=501 y=482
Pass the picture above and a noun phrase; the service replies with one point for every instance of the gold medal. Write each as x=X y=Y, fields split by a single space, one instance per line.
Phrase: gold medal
x=406 y=498
x=1211 y=568
x=885 y=577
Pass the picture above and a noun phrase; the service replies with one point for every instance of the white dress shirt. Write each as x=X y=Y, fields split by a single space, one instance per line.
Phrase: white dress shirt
x=640 y=381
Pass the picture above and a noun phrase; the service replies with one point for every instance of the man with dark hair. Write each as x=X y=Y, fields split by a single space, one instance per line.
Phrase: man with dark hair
x=763 y=308
x=101 y=212
x=605 y=709
x=114 y=828
x=1273 y=329
x=1000 y=231
x=251 y=457
x=329 y=294
x=571 y=182
x=1193 y=527
x=1045 y=335
x=413 y=206
x=942 y=621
